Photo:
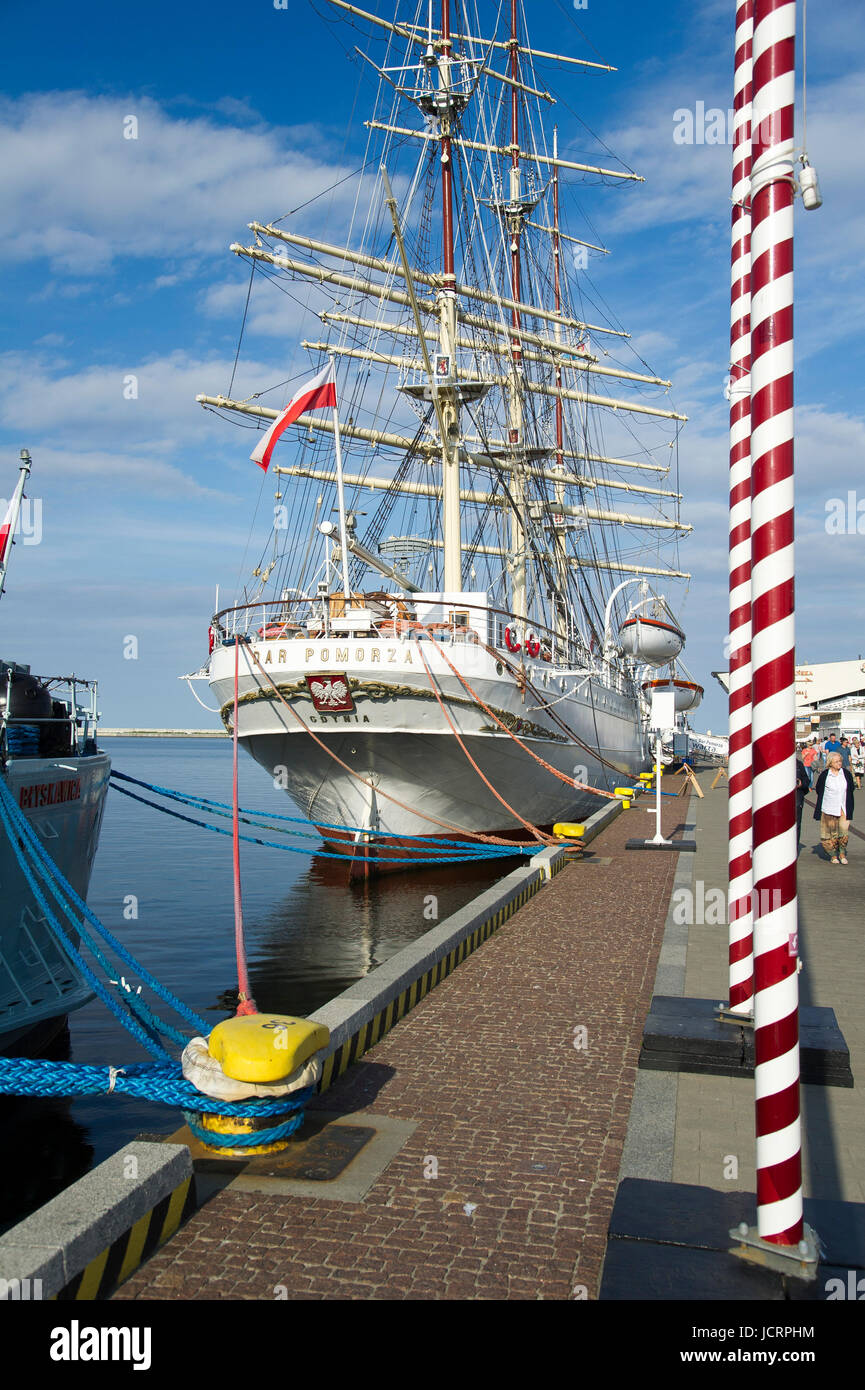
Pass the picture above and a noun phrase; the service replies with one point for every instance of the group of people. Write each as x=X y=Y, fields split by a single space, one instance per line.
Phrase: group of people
x=829 y=768
x=815 y=755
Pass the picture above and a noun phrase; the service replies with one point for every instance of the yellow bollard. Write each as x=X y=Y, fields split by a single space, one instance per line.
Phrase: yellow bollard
x=259 y=1049
x=222 y=1125
x=568 y=830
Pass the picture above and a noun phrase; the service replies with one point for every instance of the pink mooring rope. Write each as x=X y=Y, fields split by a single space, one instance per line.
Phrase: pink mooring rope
x=779 y=1168
x=739 y=765
x=246 y=1003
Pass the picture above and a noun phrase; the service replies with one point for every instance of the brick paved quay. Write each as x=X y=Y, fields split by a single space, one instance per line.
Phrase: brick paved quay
x=527 y=1131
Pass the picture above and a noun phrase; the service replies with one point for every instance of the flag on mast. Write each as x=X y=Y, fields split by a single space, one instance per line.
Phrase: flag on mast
x=313 y=395
x=6 y=530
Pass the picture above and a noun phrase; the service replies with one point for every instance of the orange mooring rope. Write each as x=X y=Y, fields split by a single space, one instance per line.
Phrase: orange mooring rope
x=562 y=776
x=548 y=708
x=246 y=1003
x=533 y=829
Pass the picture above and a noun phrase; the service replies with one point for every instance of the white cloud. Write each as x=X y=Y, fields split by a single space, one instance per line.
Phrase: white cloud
x=271 y=314
x=98 y=404
x=145 y=474
x=81 y=196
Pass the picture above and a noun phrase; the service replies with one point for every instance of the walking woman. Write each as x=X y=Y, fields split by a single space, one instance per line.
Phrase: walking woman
x=834 y=809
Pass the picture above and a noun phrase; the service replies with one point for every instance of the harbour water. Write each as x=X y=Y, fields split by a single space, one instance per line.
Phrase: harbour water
x=165 y=889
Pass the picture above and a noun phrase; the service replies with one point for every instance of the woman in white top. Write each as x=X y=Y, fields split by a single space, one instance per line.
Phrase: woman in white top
x=834 y=809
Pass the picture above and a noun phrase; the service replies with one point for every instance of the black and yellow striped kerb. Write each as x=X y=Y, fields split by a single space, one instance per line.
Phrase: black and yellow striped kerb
x=375 y=1028
x=104 y=1273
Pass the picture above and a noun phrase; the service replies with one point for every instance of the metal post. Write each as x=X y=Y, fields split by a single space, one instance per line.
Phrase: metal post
x=776 y=1018
x=741 y=882
x=659 y=838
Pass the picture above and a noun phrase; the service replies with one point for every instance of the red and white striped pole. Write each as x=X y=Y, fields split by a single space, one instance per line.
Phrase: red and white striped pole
x=776 y=1001
x=739 y=765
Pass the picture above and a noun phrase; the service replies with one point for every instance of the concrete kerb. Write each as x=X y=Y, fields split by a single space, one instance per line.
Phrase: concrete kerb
x=100 y=1229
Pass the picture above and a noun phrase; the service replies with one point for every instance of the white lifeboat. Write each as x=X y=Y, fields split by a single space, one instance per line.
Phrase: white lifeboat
x=651 y=640
x=688 y=693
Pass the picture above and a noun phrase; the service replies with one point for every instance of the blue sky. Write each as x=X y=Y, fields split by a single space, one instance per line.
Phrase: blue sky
x=116 y=264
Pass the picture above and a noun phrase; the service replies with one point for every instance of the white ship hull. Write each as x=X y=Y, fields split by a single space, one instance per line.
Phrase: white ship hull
x=397 y=736
x=64 y=800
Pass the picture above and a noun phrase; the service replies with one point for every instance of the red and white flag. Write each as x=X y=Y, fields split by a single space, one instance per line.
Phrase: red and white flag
x=6 y=531
x=314 y=395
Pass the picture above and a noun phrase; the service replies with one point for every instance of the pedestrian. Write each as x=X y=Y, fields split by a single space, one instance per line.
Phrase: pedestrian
x=810 y=754
x=803 y=786
x=834 y=809
x=857 y=762
x=845 y=750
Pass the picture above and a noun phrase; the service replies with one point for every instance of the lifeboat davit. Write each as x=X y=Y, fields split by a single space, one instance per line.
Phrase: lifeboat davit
x=651 y=640
x=688 y=693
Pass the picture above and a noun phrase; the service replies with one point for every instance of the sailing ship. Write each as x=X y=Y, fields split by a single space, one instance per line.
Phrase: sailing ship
x=53 y=771
x=449 y=632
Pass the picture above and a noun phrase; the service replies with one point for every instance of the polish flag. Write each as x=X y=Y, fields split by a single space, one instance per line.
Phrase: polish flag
x=314 y=395
x=6 y=531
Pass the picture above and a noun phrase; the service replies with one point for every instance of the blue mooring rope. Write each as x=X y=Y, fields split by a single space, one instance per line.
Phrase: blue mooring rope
x=203 y=801
x=471 y=853
x=159 y=1082
x=55 y=882
x=244 y=1141
x=162 y=1081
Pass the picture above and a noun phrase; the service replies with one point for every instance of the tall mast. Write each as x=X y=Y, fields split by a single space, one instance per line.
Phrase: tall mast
x=559 y=540
x=448 y=396
x=10 y=521
x=515 y=398
x=558 y=299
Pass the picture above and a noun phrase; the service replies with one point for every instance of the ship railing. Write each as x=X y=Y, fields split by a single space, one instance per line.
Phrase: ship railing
x=386 y=616
x=74 y=727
